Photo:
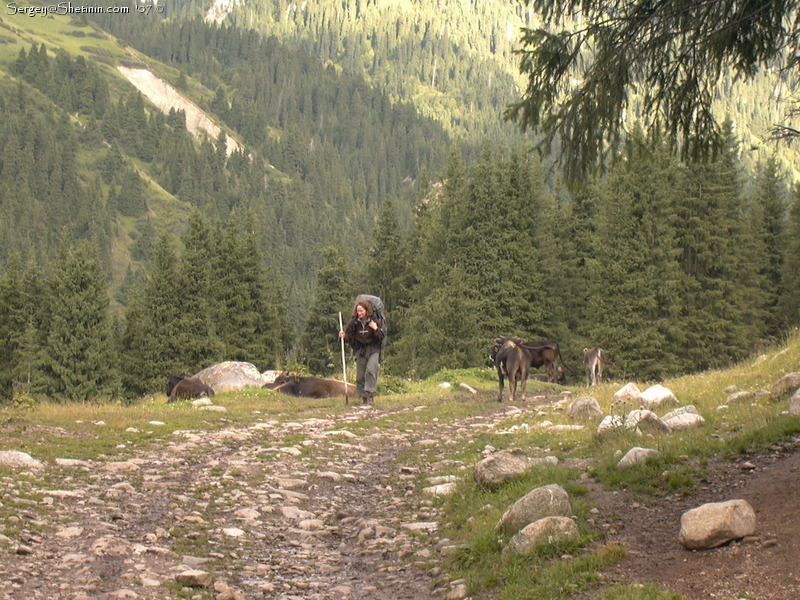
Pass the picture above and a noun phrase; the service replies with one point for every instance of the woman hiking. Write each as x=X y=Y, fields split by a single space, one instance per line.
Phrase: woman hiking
x=364 y=333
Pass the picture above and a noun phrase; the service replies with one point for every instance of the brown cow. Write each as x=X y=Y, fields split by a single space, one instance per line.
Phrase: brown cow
x=594 y=360
x=312 y=387
x=190 y=387
x=547 y=353
x=512 y=361
x=170 y=381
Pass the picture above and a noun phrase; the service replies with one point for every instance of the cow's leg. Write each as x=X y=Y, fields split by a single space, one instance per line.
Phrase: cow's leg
x=524 y=377
x=500 y=378
x=599 y=371
x=512 y=387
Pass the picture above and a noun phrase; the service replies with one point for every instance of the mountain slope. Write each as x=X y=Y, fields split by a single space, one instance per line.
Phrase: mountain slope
x=339 y=148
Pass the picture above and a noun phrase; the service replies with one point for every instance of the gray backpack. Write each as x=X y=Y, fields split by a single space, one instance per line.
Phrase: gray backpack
x=378 y=311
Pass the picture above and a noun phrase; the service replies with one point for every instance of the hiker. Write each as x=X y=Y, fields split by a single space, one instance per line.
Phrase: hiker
x=365 y=333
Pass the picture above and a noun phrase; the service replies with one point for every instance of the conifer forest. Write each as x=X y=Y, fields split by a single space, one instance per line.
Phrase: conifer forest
x=372 y=156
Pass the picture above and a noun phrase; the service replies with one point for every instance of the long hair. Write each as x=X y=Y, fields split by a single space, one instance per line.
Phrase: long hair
x=367 y=307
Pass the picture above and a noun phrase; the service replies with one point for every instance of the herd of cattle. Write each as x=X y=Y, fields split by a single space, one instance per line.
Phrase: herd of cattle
x=512 y=358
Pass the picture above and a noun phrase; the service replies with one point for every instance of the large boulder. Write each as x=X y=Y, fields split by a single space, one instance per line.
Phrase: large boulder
x=657 y=396
x=230 y=375
x=585 y=409
x=544 y=531
x=646 y=422
x=685 y=417
x=794 y=404
x=716 y=523
x=546 y=501
x=625 y=398
x=22 y=460
x=497 y=468
x=610 y=424
x=788 y=384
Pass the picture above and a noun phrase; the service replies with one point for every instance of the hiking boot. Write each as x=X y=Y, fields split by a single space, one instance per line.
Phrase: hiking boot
x=369 y=399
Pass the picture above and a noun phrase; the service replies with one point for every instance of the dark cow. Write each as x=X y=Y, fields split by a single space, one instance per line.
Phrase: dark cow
x=594 y=361
x=170 y=381
x=310 y=387
x=190 y=387
x=512 y=361
x=547 y=353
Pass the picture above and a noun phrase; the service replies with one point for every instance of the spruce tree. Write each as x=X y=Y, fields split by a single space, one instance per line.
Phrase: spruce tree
x=13 y=324
x=319 y=345
x=716 y=322
x=78 y=361
x=150 y=341
x=198 y=343
x=771 y=206
x=789 y=302
x=636 y=285
x=251 y=318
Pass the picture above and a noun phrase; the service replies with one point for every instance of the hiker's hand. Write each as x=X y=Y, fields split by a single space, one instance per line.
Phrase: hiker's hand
x=373 y=325
x=341 y=335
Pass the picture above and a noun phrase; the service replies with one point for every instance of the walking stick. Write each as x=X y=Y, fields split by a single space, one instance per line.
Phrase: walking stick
x=344 y=364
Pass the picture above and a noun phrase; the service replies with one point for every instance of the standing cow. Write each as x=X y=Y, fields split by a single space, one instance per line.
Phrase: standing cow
x=594 y=361
x=512 y=361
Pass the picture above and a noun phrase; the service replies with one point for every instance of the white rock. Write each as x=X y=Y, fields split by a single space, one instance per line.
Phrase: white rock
x=14 y=458
x=629 y=391
x=444 y=489
x=657 y=396
x=543 y=531
x=610 y=424
x=637 y=456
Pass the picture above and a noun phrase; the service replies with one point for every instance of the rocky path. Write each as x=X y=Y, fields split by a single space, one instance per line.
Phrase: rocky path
x=301 y=510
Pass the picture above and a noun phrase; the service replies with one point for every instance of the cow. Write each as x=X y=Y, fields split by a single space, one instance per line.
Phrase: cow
x=311 y=387
x=560 y=377
x=190 y=387
x=512 y=361
x=547 y=353
x=594 y=360
x=170 y=381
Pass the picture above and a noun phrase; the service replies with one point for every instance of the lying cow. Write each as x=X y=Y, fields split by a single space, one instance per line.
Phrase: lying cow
x=311 y=387
x=512 y=361
x=594 y=361
x=170 y=381
x=190 y=387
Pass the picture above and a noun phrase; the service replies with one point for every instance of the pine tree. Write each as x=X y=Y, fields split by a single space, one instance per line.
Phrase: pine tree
x=636 y=285
x=771 y=207
x=197 y=340
x=251 y=319
x=150 y=341
x=13 y=324
x=78 y=361
x=478 y=267
x=319 y=346
x=789 y=303
x=717 y=326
